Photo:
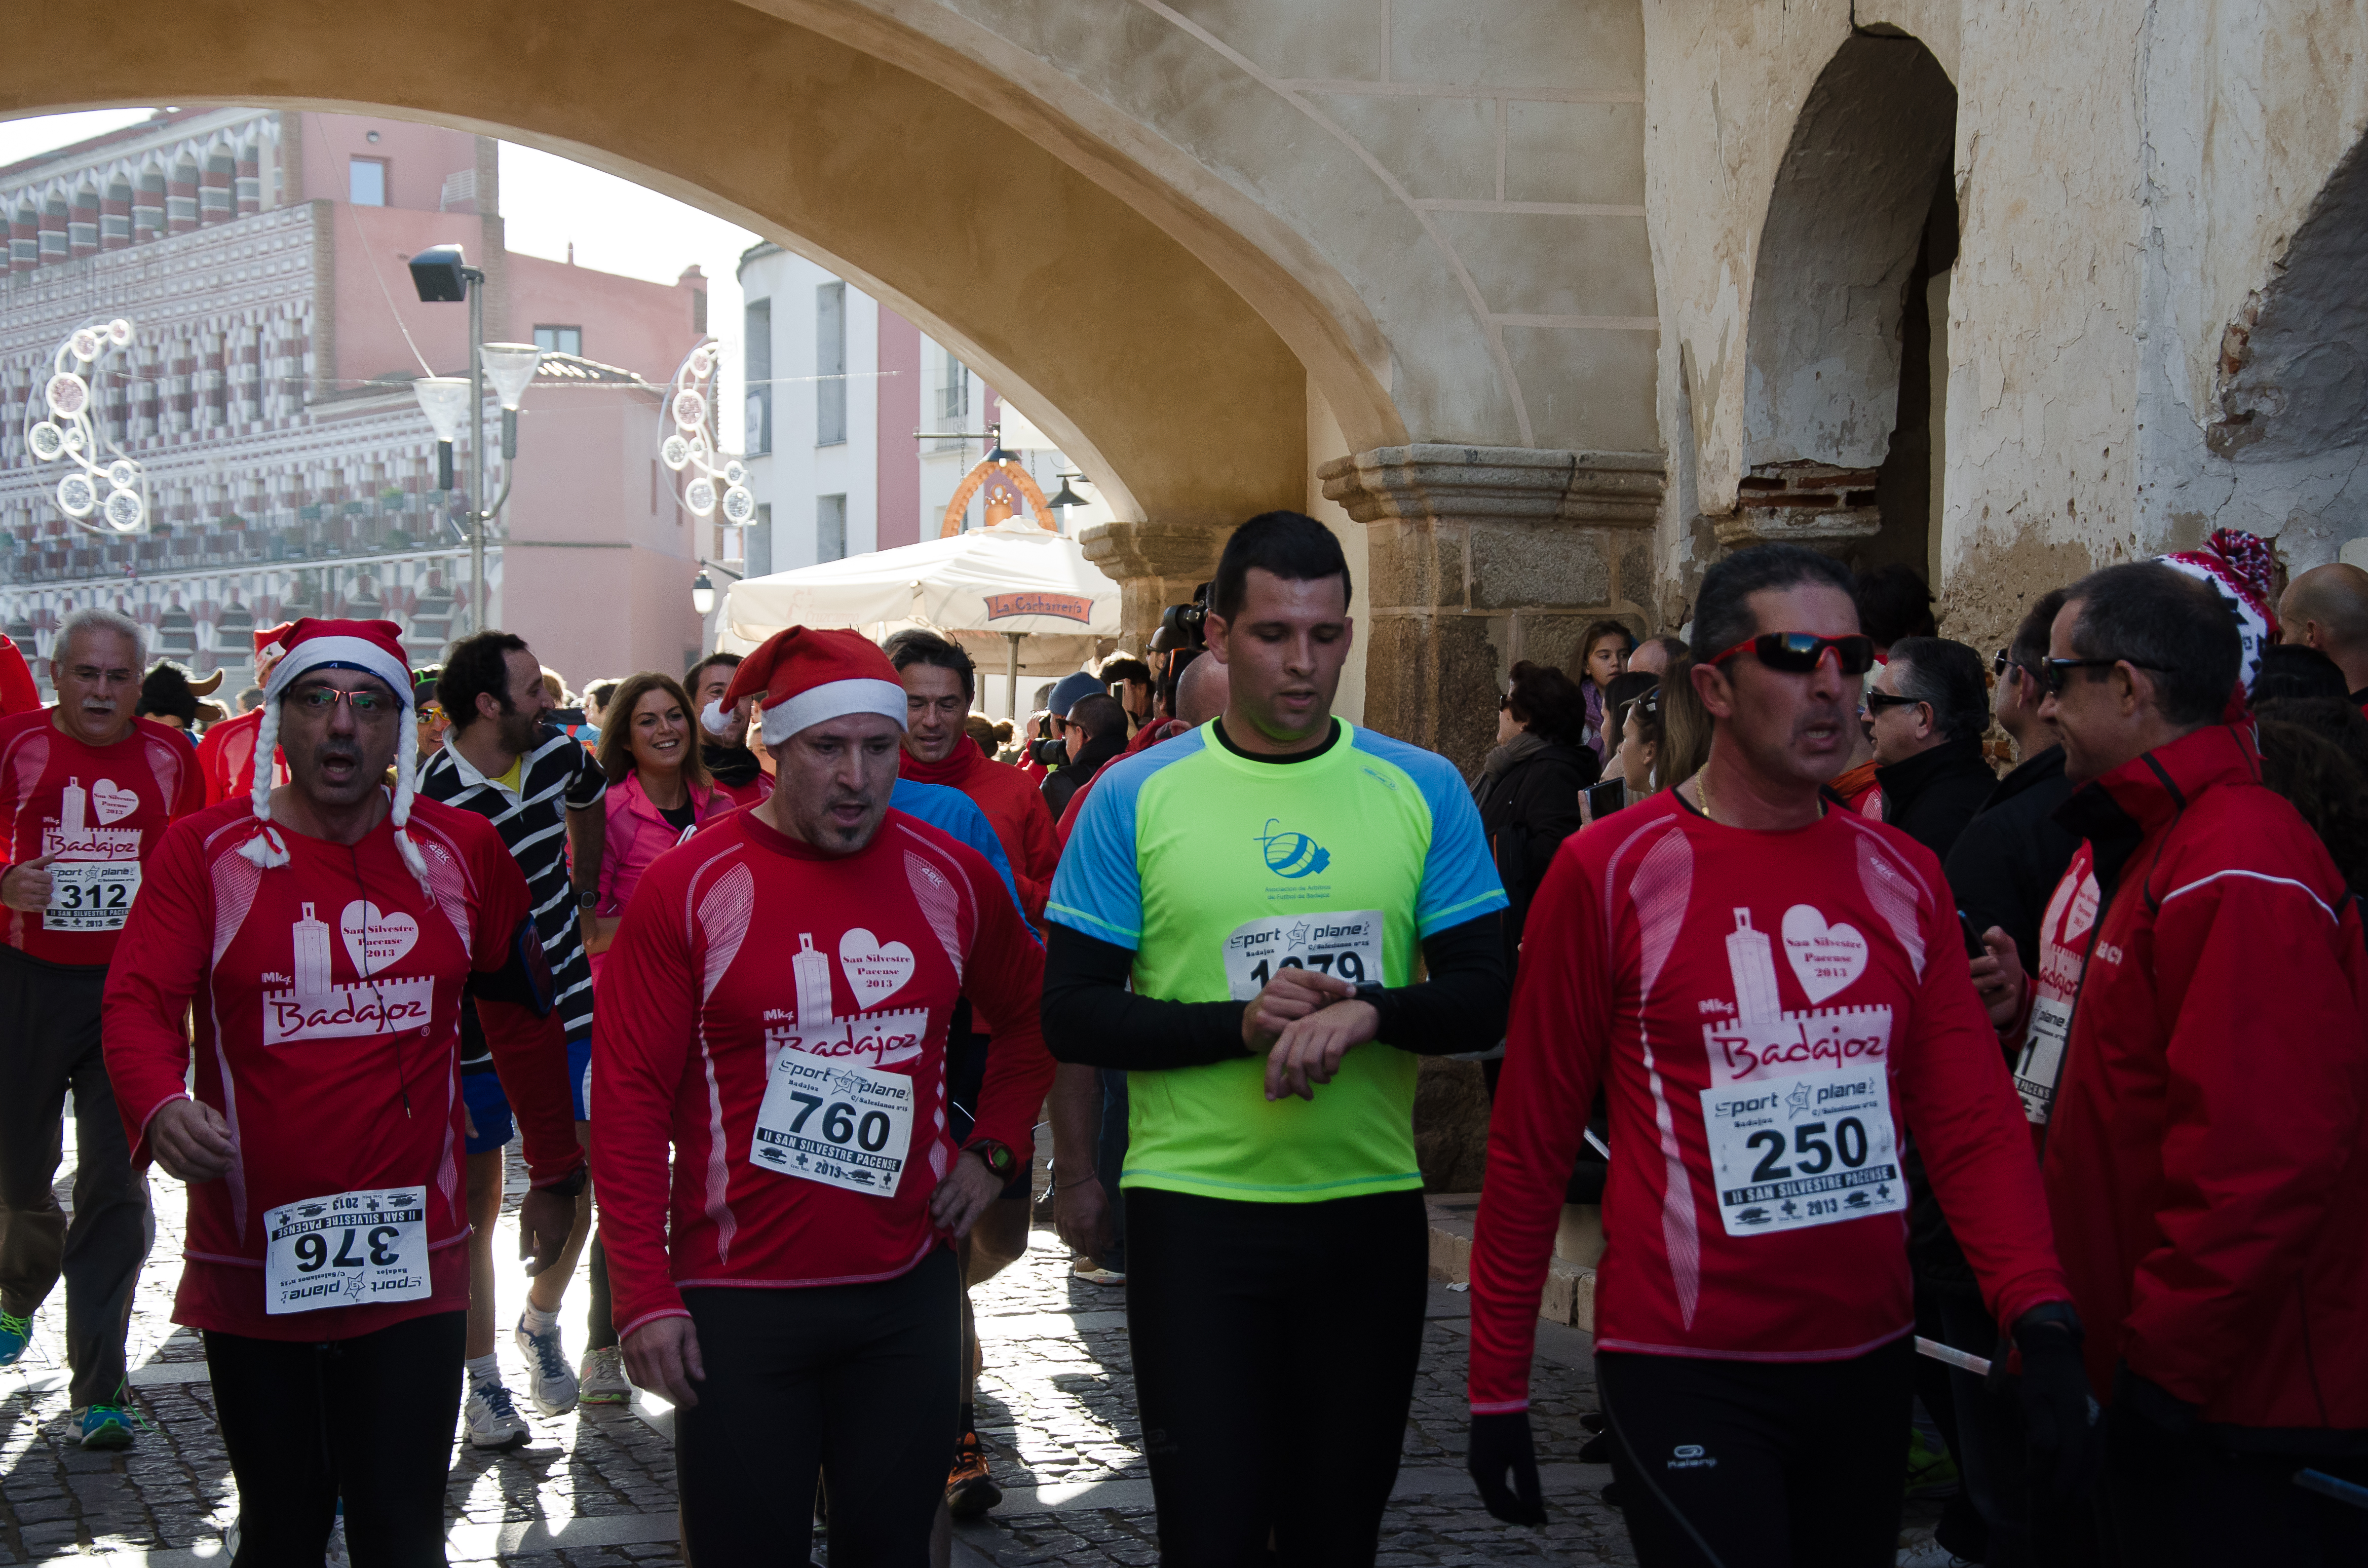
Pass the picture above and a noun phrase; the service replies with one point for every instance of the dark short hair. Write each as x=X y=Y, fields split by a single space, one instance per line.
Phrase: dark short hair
x=1134 y=670
x=2037 y=629
x=1722 y=611
x=691 y=678
x=614 y=753
x=2332 y=719
x=1292 y=545
x=1099 y=715
x=477 y=663
x=915 y=646
x=2178 y=631
x=1894 y=603
x=2291 y=670
x=1548 y=703
x=1948 y=676
x=1177 y=663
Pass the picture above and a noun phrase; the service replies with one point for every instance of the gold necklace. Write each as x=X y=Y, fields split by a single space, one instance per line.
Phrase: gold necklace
x=1701 y=786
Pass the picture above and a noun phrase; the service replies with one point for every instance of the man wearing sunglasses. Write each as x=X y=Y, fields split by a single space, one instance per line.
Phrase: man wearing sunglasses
x=1770 y=991
x=2196 y=1069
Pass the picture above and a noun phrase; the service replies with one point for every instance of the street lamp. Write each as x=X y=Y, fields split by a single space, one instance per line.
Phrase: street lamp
x=702 y=587
x=442 y=275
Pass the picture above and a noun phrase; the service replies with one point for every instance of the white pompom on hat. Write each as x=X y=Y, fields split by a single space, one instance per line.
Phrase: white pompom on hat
x=809 y=675
x=374 y=647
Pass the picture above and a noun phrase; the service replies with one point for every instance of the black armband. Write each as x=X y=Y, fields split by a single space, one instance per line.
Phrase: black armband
x=524 y=979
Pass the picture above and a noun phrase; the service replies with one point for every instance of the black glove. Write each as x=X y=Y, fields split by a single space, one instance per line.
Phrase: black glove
x=1500 y=1443
x=2057 y=1411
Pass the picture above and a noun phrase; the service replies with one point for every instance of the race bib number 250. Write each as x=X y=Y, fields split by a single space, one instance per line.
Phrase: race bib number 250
x=346 y=1249
x=1345 y=943
x=1798 y=1116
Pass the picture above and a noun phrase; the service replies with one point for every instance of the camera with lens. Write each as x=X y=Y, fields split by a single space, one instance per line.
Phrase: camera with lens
x=1184 y=625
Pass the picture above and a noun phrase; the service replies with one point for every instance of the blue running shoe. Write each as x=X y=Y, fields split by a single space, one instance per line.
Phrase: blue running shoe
x=105 y=1426
x=15 y=1333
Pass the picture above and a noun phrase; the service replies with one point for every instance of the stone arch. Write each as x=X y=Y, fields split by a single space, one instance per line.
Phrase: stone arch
x=1863 y=213
x=792 y=117
x=2291 y=382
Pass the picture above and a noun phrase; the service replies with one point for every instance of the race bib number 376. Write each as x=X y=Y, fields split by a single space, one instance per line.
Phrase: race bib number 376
x=1345 y=943
x=346 y=1249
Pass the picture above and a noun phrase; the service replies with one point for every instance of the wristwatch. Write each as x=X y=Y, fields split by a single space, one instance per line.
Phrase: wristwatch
x=1369 y=994
x=586 y=897
x=572 y=1183
x=999 y=1159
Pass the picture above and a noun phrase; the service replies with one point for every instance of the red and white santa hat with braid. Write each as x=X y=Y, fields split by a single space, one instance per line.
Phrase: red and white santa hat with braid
x=809 y=675
x=374 y=647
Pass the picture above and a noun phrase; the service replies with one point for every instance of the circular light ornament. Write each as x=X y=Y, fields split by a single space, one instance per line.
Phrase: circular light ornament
x=675 y=451
x=68 y=394
x=125 y=511
x=689 y=410
x=123 y=474
x=699 y=496
x=736 y=472
x=74 y=437
x=78 y=495
x=46 y=442
x=702 y=361
x=739 y=503
x=85 y=344
x=118 y=333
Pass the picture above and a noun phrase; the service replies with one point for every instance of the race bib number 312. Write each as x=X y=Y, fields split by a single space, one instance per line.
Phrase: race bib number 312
x=346 y=1249
x=1345 y=943
x=90 y=895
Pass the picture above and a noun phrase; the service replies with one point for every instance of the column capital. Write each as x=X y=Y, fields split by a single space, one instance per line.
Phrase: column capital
x=1437 y=480
x=1151 y=549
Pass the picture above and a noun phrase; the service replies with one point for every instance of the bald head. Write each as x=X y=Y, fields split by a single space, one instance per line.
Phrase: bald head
x=1202 y=692
x=2326 y=609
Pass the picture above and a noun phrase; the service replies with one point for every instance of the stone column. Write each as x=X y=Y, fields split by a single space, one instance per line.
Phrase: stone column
x=1154 y=565
x=1482 y=556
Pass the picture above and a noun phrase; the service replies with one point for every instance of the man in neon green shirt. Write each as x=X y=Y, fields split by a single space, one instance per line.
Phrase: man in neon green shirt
x=1263 y=885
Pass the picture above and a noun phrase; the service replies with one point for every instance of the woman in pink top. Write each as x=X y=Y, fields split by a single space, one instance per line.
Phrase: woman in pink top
x=659 y=791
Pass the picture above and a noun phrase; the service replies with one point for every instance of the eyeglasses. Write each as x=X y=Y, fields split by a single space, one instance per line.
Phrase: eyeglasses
x=1876 y=701
x=366 y=704
x=430 y=711
x=91 y=675
x=1799 y=652
x=2056 y=672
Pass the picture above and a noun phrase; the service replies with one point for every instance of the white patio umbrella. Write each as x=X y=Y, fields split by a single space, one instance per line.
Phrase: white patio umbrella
x=1015 y=583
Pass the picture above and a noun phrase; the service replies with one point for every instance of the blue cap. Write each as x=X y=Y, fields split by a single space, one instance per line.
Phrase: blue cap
x=1066 y=695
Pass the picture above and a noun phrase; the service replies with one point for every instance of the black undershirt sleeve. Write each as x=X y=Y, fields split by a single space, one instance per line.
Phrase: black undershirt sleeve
x=1091 y=1019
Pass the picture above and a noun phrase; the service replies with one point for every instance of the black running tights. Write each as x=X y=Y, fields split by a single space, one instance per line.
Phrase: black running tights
x=1275 y=1348
x=368 y=1418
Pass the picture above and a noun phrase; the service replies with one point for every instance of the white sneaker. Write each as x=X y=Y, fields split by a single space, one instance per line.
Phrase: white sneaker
x=1930 y=1553
x=603 y=1380
x=550 y=1382
x=493 y=1421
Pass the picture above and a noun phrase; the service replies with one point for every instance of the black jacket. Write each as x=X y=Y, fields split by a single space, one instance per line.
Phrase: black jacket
x=735 y=767
x=2006 y=862
x=1932 y=795
x=1527 y=813
x=1070 y=777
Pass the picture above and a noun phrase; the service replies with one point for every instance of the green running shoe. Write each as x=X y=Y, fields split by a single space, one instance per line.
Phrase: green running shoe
x=105 y=1426
x=15 y=1333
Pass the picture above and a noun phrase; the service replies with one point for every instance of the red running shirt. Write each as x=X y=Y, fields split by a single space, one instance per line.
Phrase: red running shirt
x=1768 y=1014
x=743 y=947
x=88 y=804
x=294 y=1049
x=227 y=754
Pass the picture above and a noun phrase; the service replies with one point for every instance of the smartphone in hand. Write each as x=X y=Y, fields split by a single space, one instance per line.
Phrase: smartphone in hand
x=1973 y=946
x=1604 y=798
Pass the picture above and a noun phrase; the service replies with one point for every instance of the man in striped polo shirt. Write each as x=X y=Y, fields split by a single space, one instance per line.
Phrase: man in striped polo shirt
x=543 y=794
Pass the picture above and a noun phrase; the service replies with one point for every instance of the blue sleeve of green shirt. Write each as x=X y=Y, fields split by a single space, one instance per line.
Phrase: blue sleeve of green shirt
x=1459 y=875
x=1099 y=888
x=956 y=815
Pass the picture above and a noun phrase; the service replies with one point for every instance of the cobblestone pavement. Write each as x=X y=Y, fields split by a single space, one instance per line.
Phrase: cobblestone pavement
x=1055 y=1410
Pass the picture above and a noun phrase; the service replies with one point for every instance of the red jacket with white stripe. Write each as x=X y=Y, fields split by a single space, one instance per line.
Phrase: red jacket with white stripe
x=2207 y=1157
x=743 y=948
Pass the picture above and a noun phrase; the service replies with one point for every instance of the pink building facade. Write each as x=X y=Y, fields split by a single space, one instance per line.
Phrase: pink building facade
x=260 y=256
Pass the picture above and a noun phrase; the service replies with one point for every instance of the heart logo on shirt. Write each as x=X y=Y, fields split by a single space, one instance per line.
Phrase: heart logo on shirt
x=876 y=969
x=111 y=804
x=1825 y=959
x=375 y=939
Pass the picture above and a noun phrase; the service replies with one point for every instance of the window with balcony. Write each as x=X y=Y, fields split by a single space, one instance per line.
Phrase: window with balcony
x=757 y=323
x=830 y=527
x=830 y=365
x=559 y=339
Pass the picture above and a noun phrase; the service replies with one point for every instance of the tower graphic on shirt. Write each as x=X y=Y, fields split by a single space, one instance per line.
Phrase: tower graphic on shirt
x=1764 y=1040
x=72 y=834
x=314 y=1006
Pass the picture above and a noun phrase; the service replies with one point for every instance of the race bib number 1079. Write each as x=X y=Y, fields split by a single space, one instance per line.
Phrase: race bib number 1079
x=1345 y=943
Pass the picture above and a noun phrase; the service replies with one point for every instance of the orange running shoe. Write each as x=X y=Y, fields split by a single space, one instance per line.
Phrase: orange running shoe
x=969 y=1491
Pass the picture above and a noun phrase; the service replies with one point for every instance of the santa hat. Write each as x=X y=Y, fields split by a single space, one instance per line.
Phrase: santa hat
x=374 y=647
x=806 y=676
x=2242 y=569
x=271 y=636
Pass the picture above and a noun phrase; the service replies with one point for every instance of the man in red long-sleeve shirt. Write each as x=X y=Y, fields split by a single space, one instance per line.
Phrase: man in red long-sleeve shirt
x=1770 y=994
x=774 y=1015
x=322 y=935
